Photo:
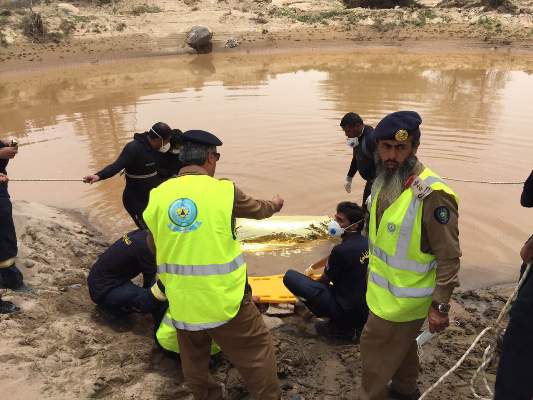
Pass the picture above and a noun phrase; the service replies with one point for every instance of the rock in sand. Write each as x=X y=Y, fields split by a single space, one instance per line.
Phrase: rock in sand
x=199 y=38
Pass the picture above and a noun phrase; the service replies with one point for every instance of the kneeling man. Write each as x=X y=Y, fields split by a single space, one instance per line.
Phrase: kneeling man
x=109 y=281
x=340 y=292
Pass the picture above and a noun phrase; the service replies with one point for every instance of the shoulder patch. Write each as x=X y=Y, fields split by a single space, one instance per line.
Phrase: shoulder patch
x=420 y=188
x=442 y=215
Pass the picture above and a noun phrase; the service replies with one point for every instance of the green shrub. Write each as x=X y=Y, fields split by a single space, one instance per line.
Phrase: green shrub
x=379 y=3
x=67 y=26
x=34 y=27
x=145 y=9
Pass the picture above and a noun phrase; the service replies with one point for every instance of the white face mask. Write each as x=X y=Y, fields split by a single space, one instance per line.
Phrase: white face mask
x=335 y=230
x=164 y=148
x=352 y=142
x=175 y=151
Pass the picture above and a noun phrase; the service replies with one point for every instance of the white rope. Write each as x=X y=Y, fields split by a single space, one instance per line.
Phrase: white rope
x=486 y=182
x=489 y=350
x=44 y=180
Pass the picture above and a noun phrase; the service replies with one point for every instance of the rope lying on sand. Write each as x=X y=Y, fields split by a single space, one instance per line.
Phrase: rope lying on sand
x=44 y=180
x=486 y=182
x=488 y=354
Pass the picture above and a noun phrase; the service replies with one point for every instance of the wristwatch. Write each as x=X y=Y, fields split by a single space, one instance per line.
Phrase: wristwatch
x=443 y=308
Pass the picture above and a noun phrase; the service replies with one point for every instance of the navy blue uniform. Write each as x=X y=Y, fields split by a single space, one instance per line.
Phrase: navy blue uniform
x=513 y=379
x=168 y=165
x=110 y=277
x=10 y=276
x=363 y=160
x=139 y=161
x=344 y=301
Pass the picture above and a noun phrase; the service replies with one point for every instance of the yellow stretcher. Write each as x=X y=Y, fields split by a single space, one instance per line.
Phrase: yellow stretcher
x=270 y=289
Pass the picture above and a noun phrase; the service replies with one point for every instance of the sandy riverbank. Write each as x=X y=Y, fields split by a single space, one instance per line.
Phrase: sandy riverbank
x=133 y=28
x=59 y=346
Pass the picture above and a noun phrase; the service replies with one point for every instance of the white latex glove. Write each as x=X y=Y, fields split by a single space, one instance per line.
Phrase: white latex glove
x=348 y=184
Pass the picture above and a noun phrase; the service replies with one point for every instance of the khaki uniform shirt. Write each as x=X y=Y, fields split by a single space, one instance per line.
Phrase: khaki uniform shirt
x=441 y=240
x=244 y=206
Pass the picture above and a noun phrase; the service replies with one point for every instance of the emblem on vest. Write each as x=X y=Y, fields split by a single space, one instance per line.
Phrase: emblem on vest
x=391 y=227
x=183 y=215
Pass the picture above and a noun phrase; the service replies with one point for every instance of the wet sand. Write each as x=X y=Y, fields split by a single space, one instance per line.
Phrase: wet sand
x=60 y=346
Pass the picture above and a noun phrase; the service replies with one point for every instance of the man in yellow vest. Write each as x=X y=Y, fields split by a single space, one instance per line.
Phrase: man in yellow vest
x=191 y=220
x=414 y=259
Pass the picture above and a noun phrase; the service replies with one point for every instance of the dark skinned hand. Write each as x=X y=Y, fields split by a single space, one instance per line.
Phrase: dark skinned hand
x=437 y=321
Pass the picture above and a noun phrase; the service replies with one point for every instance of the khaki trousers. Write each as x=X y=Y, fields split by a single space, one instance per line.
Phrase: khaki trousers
x=389 y=352
x=248 y=345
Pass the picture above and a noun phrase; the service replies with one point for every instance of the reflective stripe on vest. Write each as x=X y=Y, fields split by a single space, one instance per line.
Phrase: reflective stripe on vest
x=167 y=320
x=196 y=327
x=399 y=260
x=400 y=291
x=168 y=339
x=196 y=270
x=401 y=277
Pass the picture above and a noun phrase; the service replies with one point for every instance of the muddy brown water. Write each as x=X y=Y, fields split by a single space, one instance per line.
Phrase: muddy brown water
x=278 y=115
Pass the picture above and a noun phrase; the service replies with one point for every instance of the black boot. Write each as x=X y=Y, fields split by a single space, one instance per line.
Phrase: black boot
x=395 y=395
x=7 y=307
x=11 y=278
x=330 y=330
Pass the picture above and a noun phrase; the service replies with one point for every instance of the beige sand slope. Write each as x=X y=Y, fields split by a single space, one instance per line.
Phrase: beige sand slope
x=61 y=347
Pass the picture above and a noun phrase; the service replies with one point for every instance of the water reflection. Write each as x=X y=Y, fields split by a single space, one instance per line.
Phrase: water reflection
x=278 y=116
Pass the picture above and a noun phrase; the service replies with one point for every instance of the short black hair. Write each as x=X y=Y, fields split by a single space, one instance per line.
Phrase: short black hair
x=160 y=130
x=175 y=138
x=351 y=119
x=352 y=211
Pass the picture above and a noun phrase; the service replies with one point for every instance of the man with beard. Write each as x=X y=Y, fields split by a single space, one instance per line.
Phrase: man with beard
x=414 y=259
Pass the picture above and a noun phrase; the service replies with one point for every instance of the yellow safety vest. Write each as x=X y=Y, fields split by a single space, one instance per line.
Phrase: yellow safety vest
x=168 y=339
x=401 y=278
x=199 y=259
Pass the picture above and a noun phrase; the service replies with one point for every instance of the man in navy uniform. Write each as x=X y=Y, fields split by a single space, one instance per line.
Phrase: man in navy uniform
x=513 y=380
x=110 y=277
x=339 y=294
x=359 y=138
x=10 y=275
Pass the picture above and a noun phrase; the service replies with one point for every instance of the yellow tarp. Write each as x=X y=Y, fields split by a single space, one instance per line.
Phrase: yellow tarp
x=270 y=289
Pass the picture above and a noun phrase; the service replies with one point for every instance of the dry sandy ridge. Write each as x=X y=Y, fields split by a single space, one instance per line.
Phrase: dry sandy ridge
x=141 y=27
x=61 y=347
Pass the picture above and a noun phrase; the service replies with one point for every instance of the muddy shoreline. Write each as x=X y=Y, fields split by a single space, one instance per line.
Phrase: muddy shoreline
x=50 y=58
x=83 y=32
x=60 y=345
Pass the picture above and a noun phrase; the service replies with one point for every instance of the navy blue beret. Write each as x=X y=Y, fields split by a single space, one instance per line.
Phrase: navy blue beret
x=399 y=126
x=201 y=137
